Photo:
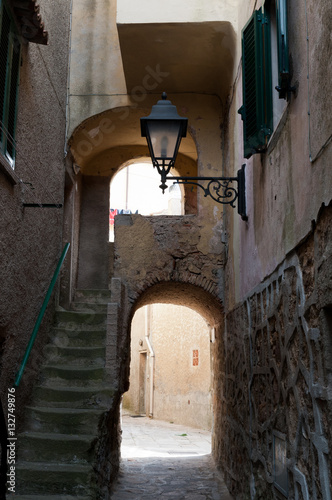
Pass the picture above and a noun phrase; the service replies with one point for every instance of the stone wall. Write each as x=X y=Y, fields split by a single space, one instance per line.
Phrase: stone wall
x=277 y=377
x=152 y=250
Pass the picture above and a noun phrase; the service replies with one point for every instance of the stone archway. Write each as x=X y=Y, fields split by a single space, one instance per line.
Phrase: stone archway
x=166 y=259
x=169 y=260
x=118 y=336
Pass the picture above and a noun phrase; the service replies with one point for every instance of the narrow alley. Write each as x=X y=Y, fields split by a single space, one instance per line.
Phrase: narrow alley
x=165 y=250
x=166 y=461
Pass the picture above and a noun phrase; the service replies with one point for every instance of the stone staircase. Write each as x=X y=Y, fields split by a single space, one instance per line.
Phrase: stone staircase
x=57 y=450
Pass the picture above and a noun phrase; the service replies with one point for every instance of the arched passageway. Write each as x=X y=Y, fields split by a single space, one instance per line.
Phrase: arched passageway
x=135 y=189
x=178 y=477
x=185 y=294
x=164 y=260
x=170 y=366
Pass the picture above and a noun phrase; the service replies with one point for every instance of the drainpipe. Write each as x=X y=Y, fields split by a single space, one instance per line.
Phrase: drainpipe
x=152 y=358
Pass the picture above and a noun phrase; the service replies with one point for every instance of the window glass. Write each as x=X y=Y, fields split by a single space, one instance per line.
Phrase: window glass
x=10 y=50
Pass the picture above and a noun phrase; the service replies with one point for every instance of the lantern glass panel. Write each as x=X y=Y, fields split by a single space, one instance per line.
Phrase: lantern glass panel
x=164 y=137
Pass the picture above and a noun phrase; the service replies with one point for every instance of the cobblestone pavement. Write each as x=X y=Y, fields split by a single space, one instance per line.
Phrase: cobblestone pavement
x=161 y=460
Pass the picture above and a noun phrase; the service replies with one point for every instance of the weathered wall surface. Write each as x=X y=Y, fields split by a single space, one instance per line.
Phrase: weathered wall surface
x=150 y=250
x=182 y=389
x=97 y=77
x=93 y=257
x=285 y=189
x=275 y=373
x=277 y=376
x=96 y=81
x=30 y=238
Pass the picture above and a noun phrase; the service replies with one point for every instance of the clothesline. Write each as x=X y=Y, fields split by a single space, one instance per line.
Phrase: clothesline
x=121 y=211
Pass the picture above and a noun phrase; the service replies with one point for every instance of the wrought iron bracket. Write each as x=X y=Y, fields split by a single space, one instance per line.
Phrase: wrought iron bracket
x=221 y=189
x=42 y=205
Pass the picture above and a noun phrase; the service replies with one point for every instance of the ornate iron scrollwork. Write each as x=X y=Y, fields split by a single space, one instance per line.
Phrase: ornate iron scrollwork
x=220 y=189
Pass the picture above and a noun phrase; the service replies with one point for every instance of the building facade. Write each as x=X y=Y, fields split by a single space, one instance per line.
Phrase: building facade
x=34 y=61
x=170 y=366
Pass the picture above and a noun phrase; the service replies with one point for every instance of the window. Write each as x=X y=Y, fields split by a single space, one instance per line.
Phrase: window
x=195 y=357
x=10 y=50
x=264 y=65
x=282 y=40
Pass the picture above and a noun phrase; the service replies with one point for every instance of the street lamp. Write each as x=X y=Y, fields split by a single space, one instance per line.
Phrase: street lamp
x=164 y=129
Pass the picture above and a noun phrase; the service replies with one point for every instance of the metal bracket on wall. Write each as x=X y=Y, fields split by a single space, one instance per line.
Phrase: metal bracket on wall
x=221 y=190
x=42 y=205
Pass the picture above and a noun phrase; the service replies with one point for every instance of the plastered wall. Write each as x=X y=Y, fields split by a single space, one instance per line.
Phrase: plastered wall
x=288 y=183
x=181 y=387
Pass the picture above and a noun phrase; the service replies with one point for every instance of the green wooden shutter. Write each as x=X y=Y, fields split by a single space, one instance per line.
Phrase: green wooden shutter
x=257 y=84
x=283 y=60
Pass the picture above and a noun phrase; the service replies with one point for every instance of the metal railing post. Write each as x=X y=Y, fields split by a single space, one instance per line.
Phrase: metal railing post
x=40 y=316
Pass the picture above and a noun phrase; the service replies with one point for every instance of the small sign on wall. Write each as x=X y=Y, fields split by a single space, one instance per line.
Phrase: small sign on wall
x=280 y=471
x=195 y=357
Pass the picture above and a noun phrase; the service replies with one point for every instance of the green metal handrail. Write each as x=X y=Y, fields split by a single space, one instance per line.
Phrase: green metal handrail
x=40 y=316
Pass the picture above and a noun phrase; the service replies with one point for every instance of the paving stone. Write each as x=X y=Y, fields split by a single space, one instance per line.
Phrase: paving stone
x=181 y=470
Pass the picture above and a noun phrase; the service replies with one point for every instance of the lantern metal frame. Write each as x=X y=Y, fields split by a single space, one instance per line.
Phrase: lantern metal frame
x=220 y=189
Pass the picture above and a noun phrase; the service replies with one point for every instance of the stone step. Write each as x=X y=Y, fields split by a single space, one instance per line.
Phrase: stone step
x=80 y=318
x=75 y=355
x=72 y=397
x=63 y=420
x=78 y=374
x=68 y=337
x=93 y=296
x=37 y=478
x=89 y=307
x=57 y=448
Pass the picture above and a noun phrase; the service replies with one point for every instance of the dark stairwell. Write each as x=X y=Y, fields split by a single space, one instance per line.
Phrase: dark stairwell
x=57 y=450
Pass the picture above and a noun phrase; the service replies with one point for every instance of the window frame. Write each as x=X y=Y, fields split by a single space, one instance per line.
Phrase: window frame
x=11 y=80
x=257 y=111
x=283 y=52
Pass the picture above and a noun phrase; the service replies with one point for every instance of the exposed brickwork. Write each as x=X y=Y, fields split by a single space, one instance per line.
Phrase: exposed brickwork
x=277 y=376
x=150 y=250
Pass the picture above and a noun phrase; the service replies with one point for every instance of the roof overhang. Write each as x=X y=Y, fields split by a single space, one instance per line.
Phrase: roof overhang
x=178 y=57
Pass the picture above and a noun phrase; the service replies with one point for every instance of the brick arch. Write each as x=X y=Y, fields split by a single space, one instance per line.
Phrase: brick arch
x=170 y=255
x=185 y=293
